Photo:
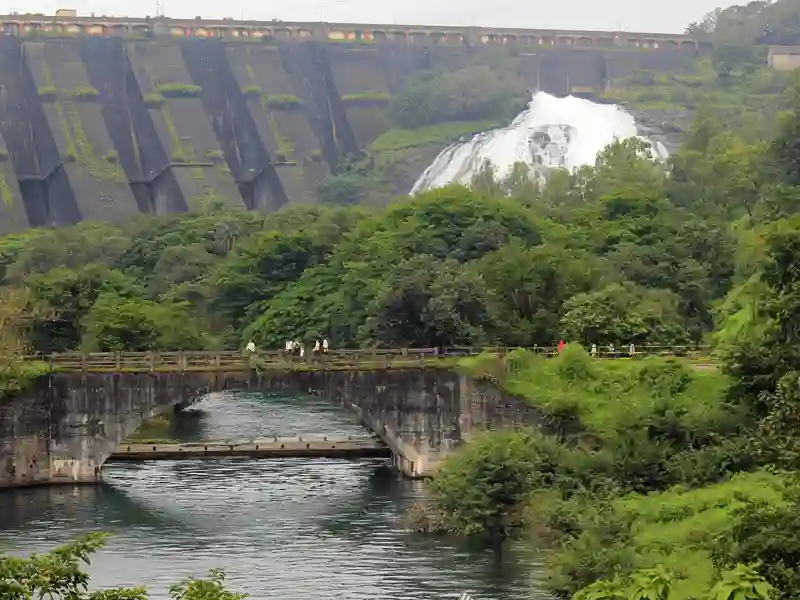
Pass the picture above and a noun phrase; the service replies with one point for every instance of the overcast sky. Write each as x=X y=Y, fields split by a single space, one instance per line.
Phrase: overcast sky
x=629 y=15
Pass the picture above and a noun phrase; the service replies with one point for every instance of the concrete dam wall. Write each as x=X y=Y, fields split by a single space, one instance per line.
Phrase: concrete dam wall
x=103 y=128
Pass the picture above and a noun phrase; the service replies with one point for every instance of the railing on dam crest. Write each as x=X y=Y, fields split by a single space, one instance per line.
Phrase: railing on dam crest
x=370 y=358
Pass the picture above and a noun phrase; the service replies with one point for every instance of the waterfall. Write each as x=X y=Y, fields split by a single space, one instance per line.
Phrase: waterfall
x=551 y=133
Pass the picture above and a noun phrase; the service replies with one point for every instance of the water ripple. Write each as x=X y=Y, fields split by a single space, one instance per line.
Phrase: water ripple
x=290 y=529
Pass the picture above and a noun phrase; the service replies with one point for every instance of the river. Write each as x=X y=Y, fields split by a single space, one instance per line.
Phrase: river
x=287 y=529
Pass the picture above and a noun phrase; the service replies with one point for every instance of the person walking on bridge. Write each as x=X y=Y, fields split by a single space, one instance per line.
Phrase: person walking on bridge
x=325 y=346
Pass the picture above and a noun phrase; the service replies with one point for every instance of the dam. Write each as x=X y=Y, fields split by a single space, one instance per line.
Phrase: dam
x=106 y=118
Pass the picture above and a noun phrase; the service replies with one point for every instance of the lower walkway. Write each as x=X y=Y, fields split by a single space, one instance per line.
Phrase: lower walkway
x=266 y=448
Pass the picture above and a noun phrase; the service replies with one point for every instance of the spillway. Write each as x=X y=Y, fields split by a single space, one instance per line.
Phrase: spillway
x=551 y=133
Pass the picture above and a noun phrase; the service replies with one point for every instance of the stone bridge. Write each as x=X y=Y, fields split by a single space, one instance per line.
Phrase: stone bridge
x=64 y=427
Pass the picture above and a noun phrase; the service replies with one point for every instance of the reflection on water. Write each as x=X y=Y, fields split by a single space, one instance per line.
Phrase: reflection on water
x=288 y=529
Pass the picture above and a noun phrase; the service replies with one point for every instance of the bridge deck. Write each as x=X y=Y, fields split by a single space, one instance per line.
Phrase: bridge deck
x=365 y=359
x=266 y=448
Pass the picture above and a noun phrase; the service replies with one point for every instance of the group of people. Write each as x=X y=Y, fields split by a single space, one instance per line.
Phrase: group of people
x=295 y=348
x=611 y=351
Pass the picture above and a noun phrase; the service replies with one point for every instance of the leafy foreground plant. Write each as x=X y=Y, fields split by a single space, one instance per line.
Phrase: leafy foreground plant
x=57 y=575
x=742 y=582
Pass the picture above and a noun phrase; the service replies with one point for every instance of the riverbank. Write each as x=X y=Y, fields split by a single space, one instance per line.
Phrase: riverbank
x=646 y=464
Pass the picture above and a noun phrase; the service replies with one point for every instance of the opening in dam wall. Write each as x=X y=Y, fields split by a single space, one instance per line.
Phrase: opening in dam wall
x=66 y=425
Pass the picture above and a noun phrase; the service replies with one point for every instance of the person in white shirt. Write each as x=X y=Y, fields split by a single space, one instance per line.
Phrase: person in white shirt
x=251 y=347
x=316 y=347
x=325 y=346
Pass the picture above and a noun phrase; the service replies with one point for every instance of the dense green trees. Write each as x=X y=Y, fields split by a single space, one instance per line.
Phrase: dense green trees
x=474 y=93
x=605 y=256
x=655 y=480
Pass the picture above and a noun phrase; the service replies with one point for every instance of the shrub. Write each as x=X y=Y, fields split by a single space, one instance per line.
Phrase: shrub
x=345 y=188
x=48 y=93
x=369 y=98
x=575 y=364
x=84 y=93
x=154 y=100
x=665 y=377
x=283 y=102
x=178 y=90
x=252 y=90
x=473 y=93
x=3 y=155
x=215 y=155
x=484 y=485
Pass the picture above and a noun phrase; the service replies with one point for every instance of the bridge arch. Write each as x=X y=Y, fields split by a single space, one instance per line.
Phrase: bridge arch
x=67 y=425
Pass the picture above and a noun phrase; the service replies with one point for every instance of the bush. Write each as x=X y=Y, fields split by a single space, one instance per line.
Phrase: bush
x=48 y=93
x=343 y=189
x=178 y=90
x=484 y=486
x=154 y=100
x=474 y=93
x=575 y=364
x=367 y=99
x=84 y=93
x=283 y=102
x=252 y=91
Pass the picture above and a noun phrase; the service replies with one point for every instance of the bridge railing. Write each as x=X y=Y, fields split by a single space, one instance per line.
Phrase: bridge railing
x=343 y=358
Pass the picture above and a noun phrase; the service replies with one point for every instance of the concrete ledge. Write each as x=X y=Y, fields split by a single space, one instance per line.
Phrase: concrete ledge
x=269 y=448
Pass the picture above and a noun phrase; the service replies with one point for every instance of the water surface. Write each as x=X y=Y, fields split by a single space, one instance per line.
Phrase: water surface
x=287 y=529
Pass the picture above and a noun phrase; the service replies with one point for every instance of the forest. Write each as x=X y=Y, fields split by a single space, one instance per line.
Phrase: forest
x=655 y=480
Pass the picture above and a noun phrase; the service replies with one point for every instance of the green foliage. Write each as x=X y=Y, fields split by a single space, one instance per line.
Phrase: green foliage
x=154 y=100
x=441 y=133
x=369 y=98
x=252 y=90
x=485 y=485
x=343 y=189
x=624 y=314
x=742 y=582
x=47 y=93
x=283 y=102
x=656 y=395
x=57 y=575
x=117 y=323
x=469 y=94
x=678 y=530
x=178 y=90
x=84 y=93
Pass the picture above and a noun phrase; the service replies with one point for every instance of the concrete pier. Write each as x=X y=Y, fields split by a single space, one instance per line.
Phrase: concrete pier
x=266 y=448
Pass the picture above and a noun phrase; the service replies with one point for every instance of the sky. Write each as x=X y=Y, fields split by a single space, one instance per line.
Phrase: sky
x=628 y=15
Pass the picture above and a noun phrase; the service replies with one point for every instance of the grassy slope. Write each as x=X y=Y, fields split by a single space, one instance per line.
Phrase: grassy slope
x=678 y=528
x=400 y=155
x=612 y=397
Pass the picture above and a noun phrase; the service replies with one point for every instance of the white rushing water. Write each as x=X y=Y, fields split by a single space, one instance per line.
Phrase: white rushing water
x=551 y=133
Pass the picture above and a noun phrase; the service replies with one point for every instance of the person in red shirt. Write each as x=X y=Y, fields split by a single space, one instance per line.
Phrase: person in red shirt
x=561 y=344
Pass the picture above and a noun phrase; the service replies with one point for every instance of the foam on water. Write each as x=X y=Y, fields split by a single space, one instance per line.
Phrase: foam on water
x=551 y=133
